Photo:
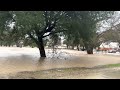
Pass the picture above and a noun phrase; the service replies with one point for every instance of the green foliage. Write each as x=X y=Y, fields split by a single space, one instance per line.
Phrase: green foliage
x=113 y=65
x=83 y=25
x=77 y=27
x=5 y=17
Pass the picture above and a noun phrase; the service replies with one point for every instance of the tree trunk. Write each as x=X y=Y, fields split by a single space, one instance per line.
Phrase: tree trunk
x=41 y=48
x=83 y=48
x=17 y=44
x=72 y=47
x=39 y=44
x=89 y=50
x=67 y=46
x=78 y=48
x=1 y=44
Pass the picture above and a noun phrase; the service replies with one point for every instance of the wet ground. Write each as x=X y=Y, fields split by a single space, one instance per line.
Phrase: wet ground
x=25 y=63
x=67 y=73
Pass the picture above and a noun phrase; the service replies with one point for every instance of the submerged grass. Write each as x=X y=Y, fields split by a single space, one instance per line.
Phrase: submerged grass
x=107 y=66
x=113 y=65
x=57 y=73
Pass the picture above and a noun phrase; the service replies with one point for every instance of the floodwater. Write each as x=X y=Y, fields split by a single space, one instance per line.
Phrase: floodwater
x=13 y=59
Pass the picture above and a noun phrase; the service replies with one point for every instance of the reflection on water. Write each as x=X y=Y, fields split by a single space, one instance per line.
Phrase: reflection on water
x=30 y=61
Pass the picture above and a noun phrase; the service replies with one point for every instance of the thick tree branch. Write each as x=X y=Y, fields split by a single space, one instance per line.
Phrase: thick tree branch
x=31 y=36
x=50 y=24
x=48 y=28
x=53 y=33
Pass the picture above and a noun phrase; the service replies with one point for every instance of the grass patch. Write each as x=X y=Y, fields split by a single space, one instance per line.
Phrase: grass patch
x=113 y=65
x=106 y=66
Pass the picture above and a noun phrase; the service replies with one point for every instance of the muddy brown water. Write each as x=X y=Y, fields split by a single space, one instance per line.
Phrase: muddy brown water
x=15 y=59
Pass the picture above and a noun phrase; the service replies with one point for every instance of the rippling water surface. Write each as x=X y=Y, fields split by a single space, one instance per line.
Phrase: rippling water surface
x=15 y=59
